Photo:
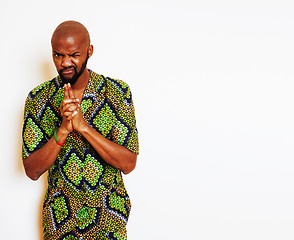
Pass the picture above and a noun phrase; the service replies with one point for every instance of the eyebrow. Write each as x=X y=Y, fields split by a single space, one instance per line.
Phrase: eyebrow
x=63 y=54
x=74 y=53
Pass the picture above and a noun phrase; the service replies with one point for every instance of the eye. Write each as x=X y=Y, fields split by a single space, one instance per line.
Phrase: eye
x=56 y=54
x=75 y=55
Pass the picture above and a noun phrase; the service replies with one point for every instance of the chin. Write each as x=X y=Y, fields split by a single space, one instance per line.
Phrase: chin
x=68 y=80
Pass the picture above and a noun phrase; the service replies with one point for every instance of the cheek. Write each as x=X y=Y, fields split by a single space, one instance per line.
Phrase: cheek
x=57 y=63
x=77 y=63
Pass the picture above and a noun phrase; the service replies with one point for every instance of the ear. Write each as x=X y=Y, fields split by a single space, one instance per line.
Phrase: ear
x=90 y=50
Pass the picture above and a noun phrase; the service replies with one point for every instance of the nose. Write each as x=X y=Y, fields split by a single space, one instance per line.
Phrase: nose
x=66 y=61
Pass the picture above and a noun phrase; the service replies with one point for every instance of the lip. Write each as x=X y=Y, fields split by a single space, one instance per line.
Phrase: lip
x=67 y=71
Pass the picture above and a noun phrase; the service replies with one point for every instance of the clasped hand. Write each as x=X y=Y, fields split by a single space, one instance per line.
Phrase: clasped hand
x=72 y=118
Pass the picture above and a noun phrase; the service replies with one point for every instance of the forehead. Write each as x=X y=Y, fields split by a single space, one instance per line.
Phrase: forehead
x=68 y=44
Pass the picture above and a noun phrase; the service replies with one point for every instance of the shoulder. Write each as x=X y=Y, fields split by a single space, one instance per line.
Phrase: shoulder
x=44 y=90
x=38 y=96
x=117 y=86
x=112 y=87
x=116 y=82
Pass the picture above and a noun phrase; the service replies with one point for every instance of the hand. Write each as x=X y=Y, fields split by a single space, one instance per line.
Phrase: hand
x=68 y=109
x=74 y=112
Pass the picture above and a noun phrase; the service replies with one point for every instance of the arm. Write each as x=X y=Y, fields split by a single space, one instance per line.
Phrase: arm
x=114 y=154
x=42 y=159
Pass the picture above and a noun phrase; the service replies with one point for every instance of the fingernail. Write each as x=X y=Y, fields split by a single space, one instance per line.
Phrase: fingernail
x=69 y=84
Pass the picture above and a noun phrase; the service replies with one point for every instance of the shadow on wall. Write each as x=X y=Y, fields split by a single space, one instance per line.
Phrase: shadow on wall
x=47 y=73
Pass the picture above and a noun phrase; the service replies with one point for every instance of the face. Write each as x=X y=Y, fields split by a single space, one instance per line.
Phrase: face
x=70 y=56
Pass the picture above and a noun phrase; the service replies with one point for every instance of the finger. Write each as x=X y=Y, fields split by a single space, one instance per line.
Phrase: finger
x=71 y=100
x=66 y=95
x=71 y=108
x=74 y=113
x=70 y=92
x=70 y=115
x=69 y=104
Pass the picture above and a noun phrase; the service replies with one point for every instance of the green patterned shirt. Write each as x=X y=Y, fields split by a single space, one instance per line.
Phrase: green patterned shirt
x=84 y=192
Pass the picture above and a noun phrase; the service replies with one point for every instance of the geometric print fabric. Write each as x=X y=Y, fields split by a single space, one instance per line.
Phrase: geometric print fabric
x=85 y=195
x=79 y=172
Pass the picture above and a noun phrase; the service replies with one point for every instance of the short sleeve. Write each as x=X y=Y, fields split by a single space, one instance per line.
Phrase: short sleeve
x=32 y=134
x=124 y=131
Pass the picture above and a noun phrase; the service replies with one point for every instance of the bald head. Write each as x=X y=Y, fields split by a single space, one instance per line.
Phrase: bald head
x=71 y=29
x=71 y=50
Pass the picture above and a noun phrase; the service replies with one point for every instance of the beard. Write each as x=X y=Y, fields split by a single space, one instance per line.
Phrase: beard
x=76 y=75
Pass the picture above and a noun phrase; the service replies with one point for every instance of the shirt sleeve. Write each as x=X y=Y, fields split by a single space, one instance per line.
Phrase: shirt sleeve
x=32 y=134
x=124 y=131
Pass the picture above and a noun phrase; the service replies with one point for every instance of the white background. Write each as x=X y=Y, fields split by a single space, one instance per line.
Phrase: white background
x=212 y=83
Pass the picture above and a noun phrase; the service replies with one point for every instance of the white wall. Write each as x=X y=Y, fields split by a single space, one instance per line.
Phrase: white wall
x=212 y=83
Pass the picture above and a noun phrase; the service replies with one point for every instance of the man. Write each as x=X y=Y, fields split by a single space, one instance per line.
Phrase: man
x=81 y=127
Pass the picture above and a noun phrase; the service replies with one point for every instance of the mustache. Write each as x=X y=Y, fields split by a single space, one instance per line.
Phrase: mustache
x=67 y=68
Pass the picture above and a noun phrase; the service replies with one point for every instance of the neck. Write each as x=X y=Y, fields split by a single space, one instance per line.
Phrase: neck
x=82 y=81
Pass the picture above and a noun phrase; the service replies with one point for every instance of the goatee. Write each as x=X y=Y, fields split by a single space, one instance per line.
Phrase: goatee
x=76 y=75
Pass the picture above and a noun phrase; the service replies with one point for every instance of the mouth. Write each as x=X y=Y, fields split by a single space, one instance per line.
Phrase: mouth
x=67 y=71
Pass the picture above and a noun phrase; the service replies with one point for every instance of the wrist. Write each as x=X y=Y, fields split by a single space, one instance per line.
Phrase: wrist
x=60 y=136
x=63 y=130
x=57 y=141
x=83 y=128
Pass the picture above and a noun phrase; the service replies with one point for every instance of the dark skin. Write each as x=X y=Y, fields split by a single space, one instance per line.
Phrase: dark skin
x=70 y=48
